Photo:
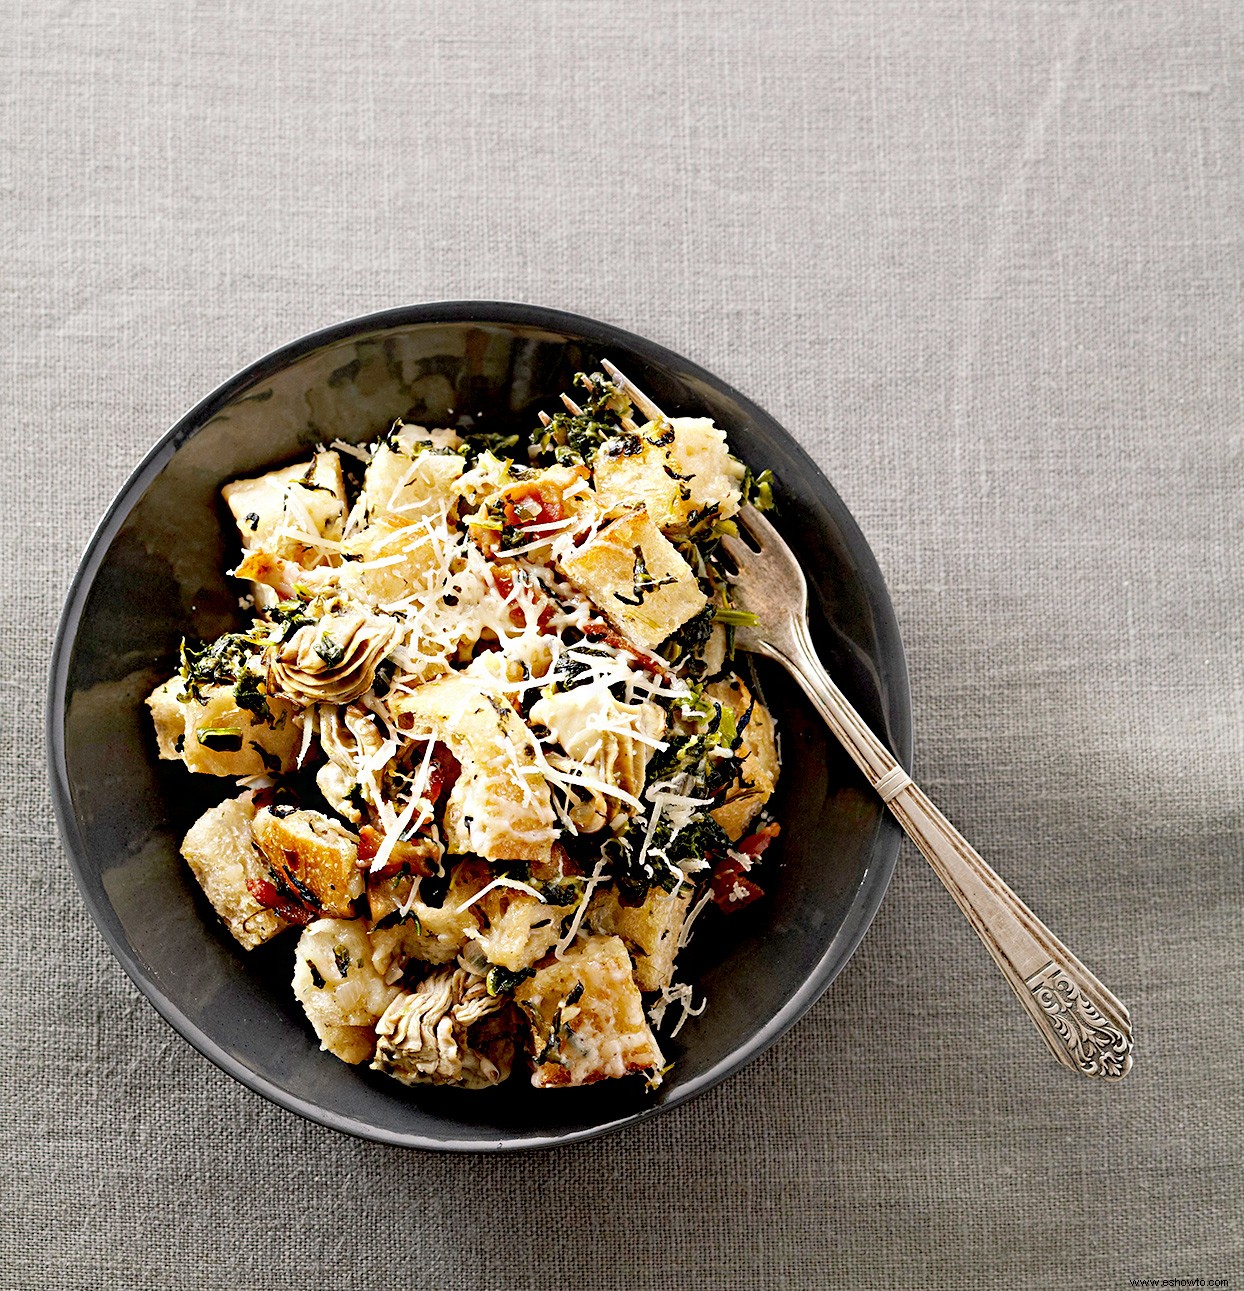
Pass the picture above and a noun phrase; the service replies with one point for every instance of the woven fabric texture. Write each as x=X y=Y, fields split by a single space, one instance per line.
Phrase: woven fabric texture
x=984 y=260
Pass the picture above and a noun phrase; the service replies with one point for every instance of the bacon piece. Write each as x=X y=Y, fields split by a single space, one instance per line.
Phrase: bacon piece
x=731 y=888
x=528 y=504
x=754 y=844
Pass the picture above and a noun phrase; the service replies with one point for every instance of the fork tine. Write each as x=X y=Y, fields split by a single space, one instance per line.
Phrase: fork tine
x=736 y=549
x=624 y=421
x=637 y=396
x=575 y=410
x=757 y=526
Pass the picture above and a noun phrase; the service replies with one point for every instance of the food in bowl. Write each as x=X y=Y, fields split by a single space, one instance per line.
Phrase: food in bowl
x=493 y=752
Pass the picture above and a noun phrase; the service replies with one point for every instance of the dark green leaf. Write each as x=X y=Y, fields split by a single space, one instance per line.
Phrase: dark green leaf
x=223 y=739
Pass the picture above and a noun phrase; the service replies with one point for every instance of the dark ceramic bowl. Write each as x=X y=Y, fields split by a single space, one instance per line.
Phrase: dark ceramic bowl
x=154 y=571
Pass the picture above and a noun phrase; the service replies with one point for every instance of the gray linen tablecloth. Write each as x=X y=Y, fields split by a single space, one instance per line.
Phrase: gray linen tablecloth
x=984 y=261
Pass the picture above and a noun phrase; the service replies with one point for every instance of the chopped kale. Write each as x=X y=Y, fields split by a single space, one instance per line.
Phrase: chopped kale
x=559 y=1029
x=758 y=490
x=290 y=615
x=308 y=481
x=642 y=581
x=475 y=443
x=329 y=650
x=271 y=763
x=304 y=893
x=222 y=739
x=395 y=917
x=572 y=438
x=250 y=695
x=642 y=858
x=559 y=892
x=703 y=524
x=637 y=871
x=691 y=637
x=625 y=445
x=341 y=957
x=729 y=617
x=549 y=1052
x=569 y=673
x=682 y=753
x=222 y=663
x=501 y=981
x=317 y=978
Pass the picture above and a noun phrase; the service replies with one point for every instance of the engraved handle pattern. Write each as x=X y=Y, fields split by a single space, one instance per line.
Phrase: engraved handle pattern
x=1086 y=1027
x=1098 y=1047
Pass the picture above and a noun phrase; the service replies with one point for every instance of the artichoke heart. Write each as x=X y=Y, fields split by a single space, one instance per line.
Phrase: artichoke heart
x=334 y=660
x=448 y=1031
x=348 y=738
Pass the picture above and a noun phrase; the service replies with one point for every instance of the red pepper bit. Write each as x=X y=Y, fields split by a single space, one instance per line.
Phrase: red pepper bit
x=312 y=754
x=264 y=797
x=504 y=584
x=445 y=772
x=268 y=897
x=558 y=866
x=603 y=632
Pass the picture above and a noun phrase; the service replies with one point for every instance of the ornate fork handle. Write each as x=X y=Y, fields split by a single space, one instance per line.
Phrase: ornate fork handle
x=1086 y=1027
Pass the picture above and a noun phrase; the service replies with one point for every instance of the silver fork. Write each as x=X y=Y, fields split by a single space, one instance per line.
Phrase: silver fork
x=1085 y=1026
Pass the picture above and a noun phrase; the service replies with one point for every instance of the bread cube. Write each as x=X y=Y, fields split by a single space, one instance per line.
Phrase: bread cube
x=219 y=738
x=757 y=755
x=500 y=806
x=222 y=857
x=430 y=934
x=678 y=469
x=411 y=475
x=634 y=575
x=395 y=562
x=342 y=994
x=587 y=1017
x=312 y=855
x=351 y=1044
x=520 y=928
x=309 y=497
x=650 y=931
